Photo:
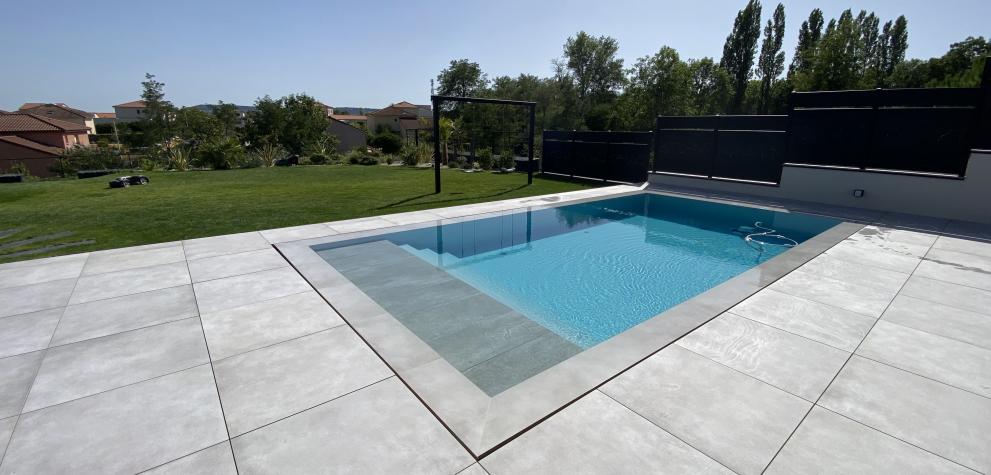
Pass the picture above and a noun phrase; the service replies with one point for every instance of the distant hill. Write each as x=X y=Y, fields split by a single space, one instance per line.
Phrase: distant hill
x=345 y=110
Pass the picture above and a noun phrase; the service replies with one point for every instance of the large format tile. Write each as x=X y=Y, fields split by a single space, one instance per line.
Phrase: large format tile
x=216 y=460
x=235 y=264
x=126 y=282
x=874 y=255
x=855 y=273
x=34 y=297
x=133 y=258
x=733 y=418
x=977 y=248
x=957 y=267
x=869 y=301
x=16 y=376
x=28 y=275
x=380 y=429
x=790 y=362
x=953 y=362
x=129 y=312
x=899 y=241
x=828 y=443
x=80 y=369
x=266 y=385
x=126 y=430
x=954 y=295
x=939 y=319
x=27 y=332
x=827 y=324
x=227 y=244
x=221 y=294
x=295 y=233
x=233 y=331
x=598 y=435
x=6 y=430
x=360 y=224
x=944 y=420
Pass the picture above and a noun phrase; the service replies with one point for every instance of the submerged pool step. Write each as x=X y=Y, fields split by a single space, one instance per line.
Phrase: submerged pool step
x=494 y=346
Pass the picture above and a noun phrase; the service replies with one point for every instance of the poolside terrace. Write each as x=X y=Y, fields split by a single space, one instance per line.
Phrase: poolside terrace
x=217 y=355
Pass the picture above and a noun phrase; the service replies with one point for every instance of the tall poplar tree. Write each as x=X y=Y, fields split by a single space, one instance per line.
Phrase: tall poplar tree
x=740 y=48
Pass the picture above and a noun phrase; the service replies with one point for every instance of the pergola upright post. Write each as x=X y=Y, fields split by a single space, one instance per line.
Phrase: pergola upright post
x=529 y=155
x=436 y=109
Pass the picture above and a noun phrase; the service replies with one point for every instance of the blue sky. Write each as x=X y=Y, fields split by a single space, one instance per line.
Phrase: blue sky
x=92 y=55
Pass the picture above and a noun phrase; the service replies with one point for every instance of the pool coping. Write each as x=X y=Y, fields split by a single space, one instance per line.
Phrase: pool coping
x=482 y=423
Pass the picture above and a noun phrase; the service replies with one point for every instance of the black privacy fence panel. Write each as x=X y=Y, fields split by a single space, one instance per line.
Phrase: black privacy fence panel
x=748 y=148
x=915 y=130
x=612 y=156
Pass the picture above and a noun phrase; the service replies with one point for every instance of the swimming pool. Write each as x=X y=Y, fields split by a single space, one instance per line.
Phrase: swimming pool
x=505 y=297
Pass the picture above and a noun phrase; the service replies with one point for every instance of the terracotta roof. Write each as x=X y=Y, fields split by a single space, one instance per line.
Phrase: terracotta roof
x=105 y=115
x=24 y=122
x=29 y=105
x=393 y=110
x=405 y=105
x=132 y=105
x=348 y=117
x=34 y=105
x=23 y=142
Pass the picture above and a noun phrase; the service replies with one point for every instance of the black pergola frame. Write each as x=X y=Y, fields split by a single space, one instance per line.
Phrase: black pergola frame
x=436 y=101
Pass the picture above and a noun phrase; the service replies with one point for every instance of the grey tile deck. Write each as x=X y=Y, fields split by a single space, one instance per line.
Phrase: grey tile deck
x=796 y=364
x=733 y=418
x=599 y=435
x=829 y=443
x=125 y=400
x=128 y=312
x=216 y=460
x=265 y=385
x=381 y=429
x=949 y=422
x=240 y=329
x=89 y=367
x=126 y=430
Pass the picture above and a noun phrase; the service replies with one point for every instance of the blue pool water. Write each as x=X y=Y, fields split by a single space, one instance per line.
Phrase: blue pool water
x=590 y=271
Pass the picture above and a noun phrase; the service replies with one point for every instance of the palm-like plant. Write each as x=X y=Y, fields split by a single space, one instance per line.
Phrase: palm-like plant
x=447 y=128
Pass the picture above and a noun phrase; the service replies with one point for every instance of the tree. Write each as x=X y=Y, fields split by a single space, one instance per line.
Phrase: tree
x=772 y=60
x=305 y=125
x=462 y=78
x=266 y=122
x=740 y=48
x=591 y=71
x=158 y=111
x=226 y=114
x=809 y=36
x=836 y=62
x=711 y=87
x=659 y=85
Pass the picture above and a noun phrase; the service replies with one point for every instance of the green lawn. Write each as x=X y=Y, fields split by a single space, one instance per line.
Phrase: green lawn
x=86 y=215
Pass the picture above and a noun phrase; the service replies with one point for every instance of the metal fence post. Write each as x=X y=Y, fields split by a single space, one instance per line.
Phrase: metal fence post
x=715 y=144
x=436 y=145
x=529 y=155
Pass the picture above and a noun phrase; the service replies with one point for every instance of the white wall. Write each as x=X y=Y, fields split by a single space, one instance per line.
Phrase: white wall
x=968 y=199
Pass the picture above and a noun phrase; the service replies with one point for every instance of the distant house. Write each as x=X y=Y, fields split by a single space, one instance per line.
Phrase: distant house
x=61 y=111
x=348 y=135
x=400 y=117
x=350 y=119
x=101 y=118
x=36 y=141
x=327 y=109
x=130 y=111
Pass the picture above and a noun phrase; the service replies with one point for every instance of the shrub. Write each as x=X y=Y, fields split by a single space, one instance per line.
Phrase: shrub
x=457 y=163
x=318 y=159
x=484 y=157
x=220 y=154
x=267 y=154
x=86 y=158
x=506 y=161
x=413 y=155
x=362 y=157
x=19 y=168
x=179 y=158
x=387 y=141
